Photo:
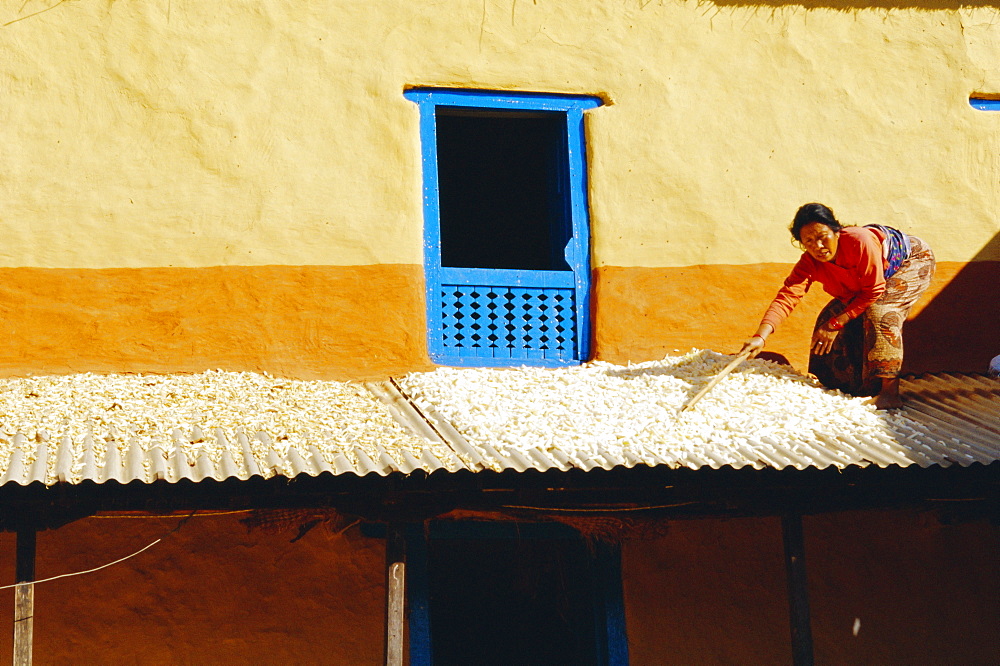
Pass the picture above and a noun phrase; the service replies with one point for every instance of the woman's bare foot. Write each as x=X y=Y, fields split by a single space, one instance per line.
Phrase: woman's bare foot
x=888 y=397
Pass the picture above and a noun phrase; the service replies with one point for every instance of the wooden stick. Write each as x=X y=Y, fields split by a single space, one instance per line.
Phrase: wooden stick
x=395 y=607
x=715 y=380
x=24 y=596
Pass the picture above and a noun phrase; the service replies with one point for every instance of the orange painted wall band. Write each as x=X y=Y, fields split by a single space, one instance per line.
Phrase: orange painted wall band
x=331 y=322
x=361 y=322
x=643 y=314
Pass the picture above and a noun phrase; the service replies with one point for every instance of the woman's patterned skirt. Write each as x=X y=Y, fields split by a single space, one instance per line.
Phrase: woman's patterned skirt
x=870 y=347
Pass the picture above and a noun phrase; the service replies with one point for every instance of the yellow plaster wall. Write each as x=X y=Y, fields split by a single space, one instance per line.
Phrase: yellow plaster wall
x=187 y=134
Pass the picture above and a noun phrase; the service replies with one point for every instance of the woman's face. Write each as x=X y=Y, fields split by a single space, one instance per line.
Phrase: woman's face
x=819 y=240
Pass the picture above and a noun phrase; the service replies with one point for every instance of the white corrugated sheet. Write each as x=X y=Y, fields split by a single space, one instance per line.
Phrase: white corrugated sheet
x=219 y=425
x=762 y=415
x=394 y=427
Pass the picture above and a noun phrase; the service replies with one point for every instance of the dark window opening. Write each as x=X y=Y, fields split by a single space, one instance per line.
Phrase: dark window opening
x=511 y=601
x=502 y=186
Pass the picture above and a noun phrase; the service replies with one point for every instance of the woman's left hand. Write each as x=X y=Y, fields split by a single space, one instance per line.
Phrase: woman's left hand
x=823 y=338
x=822 y=341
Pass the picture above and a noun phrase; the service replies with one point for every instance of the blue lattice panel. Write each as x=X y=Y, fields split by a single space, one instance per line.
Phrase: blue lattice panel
x=507 y=322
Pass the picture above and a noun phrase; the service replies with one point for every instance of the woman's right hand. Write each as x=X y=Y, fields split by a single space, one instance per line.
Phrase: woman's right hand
x=755 y=345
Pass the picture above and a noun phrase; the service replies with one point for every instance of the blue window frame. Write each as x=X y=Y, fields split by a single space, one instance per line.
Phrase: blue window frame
x=489 y=592
x=506 y=229
x=984 y=104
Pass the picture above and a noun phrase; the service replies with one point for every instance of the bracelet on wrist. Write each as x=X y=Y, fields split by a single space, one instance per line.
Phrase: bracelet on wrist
x=834 y=325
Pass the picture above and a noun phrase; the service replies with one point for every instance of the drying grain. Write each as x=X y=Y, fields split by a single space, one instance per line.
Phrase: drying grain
x=600 y=410
x=202 y=414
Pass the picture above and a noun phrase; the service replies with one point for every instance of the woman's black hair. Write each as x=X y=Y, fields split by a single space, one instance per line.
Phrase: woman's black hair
x=813 y=212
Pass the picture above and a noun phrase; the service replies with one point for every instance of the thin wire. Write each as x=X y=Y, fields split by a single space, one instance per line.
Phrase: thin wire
x=103 y=566
x=79 y=573
x=608 y=510
x=204 y=514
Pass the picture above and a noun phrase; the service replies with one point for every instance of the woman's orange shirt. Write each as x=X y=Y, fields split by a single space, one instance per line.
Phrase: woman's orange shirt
x=855 y=276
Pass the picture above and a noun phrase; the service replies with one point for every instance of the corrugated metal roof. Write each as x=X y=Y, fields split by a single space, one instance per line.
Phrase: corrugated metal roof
x=121 y=428
x=75 y=462
x=953 y=419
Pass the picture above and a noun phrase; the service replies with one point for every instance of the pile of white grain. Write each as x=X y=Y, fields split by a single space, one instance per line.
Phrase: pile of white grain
x=582 y=409
x=188 y=412
x=578 y=410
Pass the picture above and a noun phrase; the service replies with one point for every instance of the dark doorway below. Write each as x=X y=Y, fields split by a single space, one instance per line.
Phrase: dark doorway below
x=511 y=601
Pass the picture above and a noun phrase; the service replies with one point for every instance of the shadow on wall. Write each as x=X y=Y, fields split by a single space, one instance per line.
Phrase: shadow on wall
x=959 y=329
x=854 y=5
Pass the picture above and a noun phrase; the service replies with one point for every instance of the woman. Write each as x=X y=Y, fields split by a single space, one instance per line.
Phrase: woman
x=875 y=274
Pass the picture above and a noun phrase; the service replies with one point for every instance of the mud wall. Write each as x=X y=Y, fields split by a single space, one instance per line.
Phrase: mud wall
x=171 y=137
x=709 y=592
x=210 y=593
x=918 y=591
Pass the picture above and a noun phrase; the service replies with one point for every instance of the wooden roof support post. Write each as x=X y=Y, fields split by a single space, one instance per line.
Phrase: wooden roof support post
x=798 y=593
x=24 y=596
x=395 y=587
